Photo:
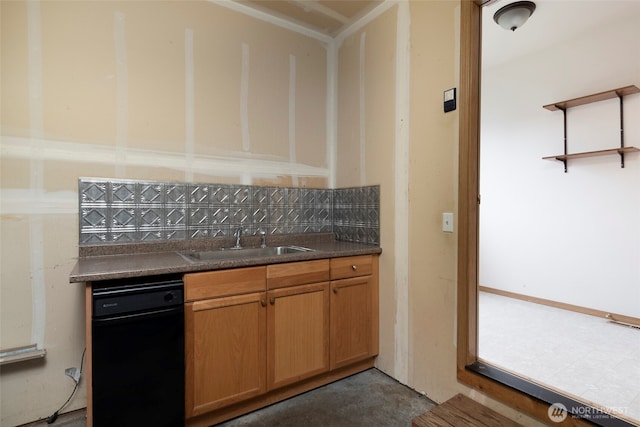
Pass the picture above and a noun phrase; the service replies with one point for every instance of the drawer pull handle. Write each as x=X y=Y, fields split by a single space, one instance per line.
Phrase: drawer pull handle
x=272 y=300
x=335 y=290
x=354 y=267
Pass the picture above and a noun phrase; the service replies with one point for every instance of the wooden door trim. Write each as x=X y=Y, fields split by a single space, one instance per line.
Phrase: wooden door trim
x=468 y=209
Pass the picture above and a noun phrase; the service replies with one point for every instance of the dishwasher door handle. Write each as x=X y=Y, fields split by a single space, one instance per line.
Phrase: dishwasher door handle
x=137 y=316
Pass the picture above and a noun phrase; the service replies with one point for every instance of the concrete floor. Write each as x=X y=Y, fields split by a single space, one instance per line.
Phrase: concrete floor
x=370 y=398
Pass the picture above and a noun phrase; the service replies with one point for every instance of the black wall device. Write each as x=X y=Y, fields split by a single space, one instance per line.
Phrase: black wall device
x=449 y=100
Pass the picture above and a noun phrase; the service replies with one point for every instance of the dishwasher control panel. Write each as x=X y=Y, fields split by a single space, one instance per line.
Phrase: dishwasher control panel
x=135 y=298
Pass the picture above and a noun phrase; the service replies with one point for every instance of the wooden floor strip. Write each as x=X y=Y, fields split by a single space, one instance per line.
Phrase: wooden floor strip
x=462 y=411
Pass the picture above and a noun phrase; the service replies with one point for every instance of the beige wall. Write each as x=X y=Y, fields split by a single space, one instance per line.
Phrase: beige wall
x=432 y=189
x=418 y=272
x=185 y=91
x=366 y=149
x=114 y=90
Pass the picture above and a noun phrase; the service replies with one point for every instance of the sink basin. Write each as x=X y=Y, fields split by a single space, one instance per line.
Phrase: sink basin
x=281 y=250
x=233 y=253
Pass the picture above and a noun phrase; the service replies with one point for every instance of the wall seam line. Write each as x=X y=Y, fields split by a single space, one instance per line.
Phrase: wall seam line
x=189 y=103
x=332 y=112
x=122 y=88
x=292 y=114
x=244 y=98
x=362 y=108
x=36 y=126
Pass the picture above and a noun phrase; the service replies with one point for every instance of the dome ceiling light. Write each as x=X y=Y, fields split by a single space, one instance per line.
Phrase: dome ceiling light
x=514 y=15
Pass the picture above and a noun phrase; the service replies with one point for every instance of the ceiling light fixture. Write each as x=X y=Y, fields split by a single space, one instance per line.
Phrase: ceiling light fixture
x=514 y=15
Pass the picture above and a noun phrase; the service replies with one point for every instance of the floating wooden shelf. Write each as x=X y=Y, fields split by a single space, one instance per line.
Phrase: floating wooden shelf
x=593 y=153
x=619 y=93
x=583 y=100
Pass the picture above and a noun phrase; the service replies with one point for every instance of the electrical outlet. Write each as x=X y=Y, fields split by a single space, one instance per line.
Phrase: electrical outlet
x=74 y=373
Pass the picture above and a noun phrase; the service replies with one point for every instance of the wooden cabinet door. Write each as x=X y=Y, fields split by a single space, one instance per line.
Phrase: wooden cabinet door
x=225 y=344
x=297 y=333
x=352 y=326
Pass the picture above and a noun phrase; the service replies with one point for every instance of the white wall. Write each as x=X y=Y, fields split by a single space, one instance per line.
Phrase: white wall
x=573 y=237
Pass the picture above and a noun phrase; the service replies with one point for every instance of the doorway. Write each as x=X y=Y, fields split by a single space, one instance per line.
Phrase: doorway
x=546 y=235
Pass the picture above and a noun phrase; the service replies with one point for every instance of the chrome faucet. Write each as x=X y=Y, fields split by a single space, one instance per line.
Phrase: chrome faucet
x=238 y=235
x=263 y=238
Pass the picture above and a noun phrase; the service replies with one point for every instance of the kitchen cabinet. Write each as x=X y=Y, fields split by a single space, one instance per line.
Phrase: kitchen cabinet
x=241 y=351
x=282 y=329
x=297 y=333
x=354 y=302
x=225 y=351
x=297 y=321
x=225 y=338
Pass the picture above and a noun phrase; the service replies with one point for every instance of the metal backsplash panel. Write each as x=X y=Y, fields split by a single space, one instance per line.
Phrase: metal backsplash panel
x=356 y=214
x=121 y=211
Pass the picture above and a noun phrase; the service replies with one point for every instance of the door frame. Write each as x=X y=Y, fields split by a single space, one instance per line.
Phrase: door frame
x=468 y=213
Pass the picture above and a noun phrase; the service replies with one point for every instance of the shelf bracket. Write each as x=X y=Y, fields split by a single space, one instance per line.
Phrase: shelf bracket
x=621 y=129
x=564 y=119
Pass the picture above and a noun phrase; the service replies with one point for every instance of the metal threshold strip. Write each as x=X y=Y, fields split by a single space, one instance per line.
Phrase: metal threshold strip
x=20 y=354
x=573 y=408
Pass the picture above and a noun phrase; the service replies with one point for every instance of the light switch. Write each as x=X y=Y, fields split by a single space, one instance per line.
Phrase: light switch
x=447 y=222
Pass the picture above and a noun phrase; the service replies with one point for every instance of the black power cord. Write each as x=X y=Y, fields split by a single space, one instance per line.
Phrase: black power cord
x=52 y=419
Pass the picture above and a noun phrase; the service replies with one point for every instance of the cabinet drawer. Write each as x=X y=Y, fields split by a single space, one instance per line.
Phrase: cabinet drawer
x=354 y=266
x=297 y=273
x=213 y=284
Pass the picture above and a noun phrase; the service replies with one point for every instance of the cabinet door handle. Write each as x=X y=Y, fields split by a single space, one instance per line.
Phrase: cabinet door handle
x=263 y=303
x=335 y=290
x=354 y=267
x=272 y=300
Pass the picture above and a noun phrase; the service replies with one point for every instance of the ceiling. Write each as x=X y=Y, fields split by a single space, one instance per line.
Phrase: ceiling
x=552 y=22
x=325 y=16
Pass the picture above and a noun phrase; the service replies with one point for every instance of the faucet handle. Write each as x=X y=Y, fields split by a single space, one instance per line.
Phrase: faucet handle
x=238 y=235
x=263 y=237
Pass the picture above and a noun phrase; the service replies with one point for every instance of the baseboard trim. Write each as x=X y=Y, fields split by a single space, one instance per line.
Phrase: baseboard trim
x=619 y=318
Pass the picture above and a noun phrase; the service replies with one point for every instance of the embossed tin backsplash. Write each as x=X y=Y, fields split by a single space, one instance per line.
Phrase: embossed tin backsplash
x=122 y=211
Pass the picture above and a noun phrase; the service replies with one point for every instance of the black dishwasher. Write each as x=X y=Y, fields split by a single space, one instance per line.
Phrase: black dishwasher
x=138 y=352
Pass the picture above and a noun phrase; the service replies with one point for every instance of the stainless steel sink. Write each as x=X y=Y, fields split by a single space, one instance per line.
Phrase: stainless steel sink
x=237 y=253
x=281 y=250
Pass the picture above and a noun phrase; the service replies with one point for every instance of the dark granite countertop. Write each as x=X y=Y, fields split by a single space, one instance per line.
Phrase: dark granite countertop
x=106 y=262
